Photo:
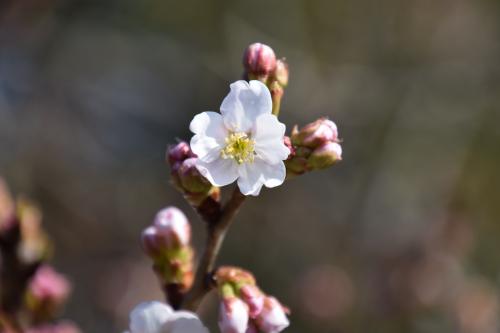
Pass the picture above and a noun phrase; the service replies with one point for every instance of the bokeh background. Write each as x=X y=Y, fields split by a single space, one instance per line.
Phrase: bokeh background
x=402 y=236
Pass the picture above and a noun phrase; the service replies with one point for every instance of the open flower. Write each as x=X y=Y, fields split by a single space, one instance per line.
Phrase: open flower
x=244 y=142
x=157 y=317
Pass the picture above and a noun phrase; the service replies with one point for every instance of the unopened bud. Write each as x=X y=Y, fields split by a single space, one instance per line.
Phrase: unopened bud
x=316 y=133
x=171 y=223
x=47 y=292
x=233 y=316
x=288 y=143
x=167 y=242
x=179 y=152
x=259 y=61
x=272 y=318
x=281 y=72
x=234 y=275
x=191 y=179
x=152 y=243
x=254 y=298
x=325 y=156
x=188 y=180
x=296 y=164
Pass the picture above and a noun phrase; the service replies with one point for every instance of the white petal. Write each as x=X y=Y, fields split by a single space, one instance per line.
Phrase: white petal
x=149 y=317
x=220 y=172
x=184 y=322
x=254 y=175
x=244 y=103
x=210 y=134
x=268 y=134
x=206 y=148
x=208 y=123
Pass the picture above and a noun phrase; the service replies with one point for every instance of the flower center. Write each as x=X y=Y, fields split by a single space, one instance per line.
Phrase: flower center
x=239 y=147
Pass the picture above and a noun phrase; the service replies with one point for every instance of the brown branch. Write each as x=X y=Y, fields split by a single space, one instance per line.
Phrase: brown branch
x=216 y=231
x=14 y=277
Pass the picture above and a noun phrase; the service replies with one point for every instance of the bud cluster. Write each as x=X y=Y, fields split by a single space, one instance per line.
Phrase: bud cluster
x=244 y=308
x=168 y=242
x=313 y=147
x=260 y=63
x=187 y=179
x=29 y=288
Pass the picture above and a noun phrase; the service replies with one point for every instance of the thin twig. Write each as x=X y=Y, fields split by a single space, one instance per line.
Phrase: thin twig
x=216 y=231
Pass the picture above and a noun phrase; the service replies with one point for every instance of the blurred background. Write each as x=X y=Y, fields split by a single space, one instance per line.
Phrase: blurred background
x=401 y=236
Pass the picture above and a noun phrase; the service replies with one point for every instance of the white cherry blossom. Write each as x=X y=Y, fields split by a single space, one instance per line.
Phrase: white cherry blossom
x=243 y=143
x=157 y=317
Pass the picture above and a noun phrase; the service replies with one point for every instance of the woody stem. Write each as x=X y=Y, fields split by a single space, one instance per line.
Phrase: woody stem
x=216 y=232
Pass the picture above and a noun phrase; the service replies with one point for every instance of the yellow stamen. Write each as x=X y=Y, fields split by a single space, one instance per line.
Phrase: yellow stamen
x=239 y=147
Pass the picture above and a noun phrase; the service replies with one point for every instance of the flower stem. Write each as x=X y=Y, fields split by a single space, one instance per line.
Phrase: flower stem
x=276 y=95
x=216 y=232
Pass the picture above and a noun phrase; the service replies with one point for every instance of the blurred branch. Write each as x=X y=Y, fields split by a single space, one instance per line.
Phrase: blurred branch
x=14 y=278
x=216 y=233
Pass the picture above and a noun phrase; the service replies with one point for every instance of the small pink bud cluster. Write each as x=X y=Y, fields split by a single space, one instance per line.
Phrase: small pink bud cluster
x=314 y=147
x=168 y=242
x=47 y=292
x=244 y=308
x=30 y=288
x=260 y=63
x=186 y=177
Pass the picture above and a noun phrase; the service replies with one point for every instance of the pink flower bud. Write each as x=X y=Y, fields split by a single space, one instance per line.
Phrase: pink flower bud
x=233 y=316
x=179 y=152
x=325 y=156
x=272 y=318
x=151 y=242
x=259 y=60
x=49 y=287
x=316 y=133
x=191 y=179
x=171 y=223
x=254 y=298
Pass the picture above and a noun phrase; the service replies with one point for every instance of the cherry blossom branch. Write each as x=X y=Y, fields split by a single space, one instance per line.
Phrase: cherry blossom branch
x=216 y=232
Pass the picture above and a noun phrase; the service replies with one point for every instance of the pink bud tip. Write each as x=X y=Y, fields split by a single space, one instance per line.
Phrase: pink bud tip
x=272 y=318
x=171 y=222
x=254 y=298
x=233 y=316
x=49 y=286
x=319 y=132
x=259 y=59
x=150 y=241
x=179 y=152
